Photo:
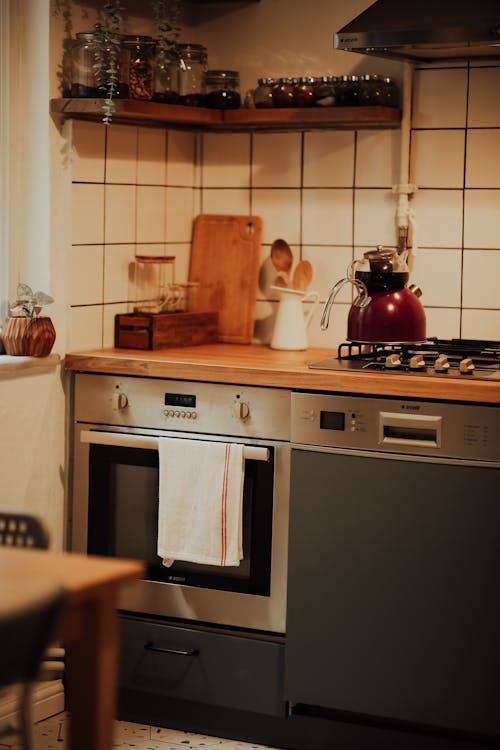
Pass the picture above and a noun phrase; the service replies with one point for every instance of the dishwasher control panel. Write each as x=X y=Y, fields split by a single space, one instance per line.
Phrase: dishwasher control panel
x=461 y=431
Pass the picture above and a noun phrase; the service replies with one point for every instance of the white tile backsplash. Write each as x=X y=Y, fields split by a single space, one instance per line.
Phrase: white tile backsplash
x=327 y=216
x=328 y=193
x=329 y=158
x=276 y=160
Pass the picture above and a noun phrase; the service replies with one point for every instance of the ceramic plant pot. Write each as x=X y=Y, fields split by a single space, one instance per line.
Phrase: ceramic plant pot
x=32 y=337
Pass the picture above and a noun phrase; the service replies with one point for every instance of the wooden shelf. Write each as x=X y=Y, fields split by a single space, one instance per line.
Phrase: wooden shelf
x=132 y=112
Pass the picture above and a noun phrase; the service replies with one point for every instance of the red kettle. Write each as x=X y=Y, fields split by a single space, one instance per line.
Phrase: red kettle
x=385 y=310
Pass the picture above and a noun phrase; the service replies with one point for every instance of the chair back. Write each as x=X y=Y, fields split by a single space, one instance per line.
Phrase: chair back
x=19 y=529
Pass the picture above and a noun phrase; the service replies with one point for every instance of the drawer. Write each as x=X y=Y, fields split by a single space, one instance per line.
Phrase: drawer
x=203 y=666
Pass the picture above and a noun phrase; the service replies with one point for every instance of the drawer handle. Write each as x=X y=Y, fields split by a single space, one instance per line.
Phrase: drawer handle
x=178 y=652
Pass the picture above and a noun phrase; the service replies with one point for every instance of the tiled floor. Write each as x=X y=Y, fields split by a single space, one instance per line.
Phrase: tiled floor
x=51 y=734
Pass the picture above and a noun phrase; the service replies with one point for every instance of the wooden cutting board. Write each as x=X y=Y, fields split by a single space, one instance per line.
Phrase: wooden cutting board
x=225 y=259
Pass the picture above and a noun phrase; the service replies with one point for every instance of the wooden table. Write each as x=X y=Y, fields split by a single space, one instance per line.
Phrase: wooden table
x=88 y=628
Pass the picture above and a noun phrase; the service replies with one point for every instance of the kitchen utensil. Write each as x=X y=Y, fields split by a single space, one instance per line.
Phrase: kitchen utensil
x=290 y=328
x=385 y=310
x=302 y=275
x=282 y=256
x=225 y=259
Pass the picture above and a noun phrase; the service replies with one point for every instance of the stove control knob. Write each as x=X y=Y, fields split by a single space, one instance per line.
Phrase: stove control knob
x=241 y=410
x=466 y=366
x=417 y=362
x=120 y=401
x=441 y=364
x=392 y=361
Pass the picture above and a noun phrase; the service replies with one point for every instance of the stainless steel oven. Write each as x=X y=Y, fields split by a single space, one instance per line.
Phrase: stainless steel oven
x=118 y=421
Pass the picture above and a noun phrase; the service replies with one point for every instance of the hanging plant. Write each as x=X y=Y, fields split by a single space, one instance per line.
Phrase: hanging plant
x=166 y=15
x=107 y=55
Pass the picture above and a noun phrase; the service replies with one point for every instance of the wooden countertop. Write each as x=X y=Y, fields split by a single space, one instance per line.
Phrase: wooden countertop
x=262 y=366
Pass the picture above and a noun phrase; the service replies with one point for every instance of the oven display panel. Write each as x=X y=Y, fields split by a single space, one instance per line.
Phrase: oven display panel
x=332 y=420
x=180 y=399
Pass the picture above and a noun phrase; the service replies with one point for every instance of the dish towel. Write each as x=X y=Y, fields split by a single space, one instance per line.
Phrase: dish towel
x=200 y=501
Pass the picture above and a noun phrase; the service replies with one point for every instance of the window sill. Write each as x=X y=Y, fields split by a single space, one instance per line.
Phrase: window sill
x=10 y=364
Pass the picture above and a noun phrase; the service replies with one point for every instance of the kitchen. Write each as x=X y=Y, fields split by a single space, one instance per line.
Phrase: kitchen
x=343 y=206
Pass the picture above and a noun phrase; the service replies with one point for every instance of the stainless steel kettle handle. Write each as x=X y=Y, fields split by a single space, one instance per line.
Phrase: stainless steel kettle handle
x=361 y=300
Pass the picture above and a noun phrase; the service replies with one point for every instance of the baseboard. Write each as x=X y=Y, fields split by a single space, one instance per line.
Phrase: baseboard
x=48 y=699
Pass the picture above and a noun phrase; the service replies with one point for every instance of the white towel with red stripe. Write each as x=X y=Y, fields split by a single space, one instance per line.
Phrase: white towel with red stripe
x=200 y=501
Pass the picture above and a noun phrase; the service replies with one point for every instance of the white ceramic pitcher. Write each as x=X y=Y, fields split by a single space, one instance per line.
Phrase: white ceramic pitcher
x=290 y=328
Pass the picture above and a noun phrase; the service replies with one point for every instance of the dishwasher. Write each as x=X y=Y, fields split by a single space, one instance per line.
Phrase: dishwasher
x=393 y=613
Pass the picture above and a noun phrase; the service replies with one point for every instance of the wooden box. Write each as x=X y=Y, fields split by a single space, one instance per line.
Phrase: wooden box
x=163 y=330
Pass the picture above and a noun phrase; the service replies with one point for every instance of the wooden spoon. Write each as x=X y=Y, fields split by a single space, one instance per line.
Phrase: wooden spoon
x=302 y=275
x=281 y=256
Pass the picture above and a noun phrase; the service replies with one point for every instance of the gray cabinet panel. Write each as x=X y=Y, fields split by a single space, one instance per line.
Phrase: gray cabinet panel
x=223 y=670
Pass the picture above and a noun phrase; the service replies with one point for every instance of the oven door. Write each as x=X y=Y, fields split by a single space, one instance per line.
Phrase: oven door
x=115 y=513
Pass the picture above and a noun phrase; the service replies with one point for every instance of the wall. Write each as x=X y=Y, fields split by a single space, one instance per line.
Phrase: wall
x=328 y=193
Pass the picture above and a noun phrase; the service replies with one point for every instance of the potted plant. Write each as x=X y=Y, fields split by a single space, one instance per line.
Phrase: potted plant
x=26 y=332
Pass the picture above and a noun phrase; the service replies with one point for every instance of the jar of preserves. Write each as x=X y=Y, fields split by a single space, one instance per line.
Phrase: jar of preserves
x=222 y=89
x=324 y=91
x=139 y=61
x=165 y=75
x=347 y=91
x=192 y=64
x=263 y=94
x=303 y=92
x=283 y=92
x=91 y=55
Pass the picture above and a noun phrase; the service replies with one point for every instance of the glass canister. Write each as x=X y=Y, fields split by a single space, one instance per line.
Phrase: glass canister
x=139 y=62
x=222 y=89
x=371 y=90
x=303 y=92
x=283 y=91
x=324 y=91
x=391 y=93
x=165 y=75
x=91 y=51
x=347 y=91
x=263 y=94
x=192 y=65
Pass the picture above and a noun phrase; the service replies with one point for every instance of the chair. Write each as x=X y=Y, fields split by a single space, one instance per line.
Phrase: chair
x=21 y=529
x=26 y=626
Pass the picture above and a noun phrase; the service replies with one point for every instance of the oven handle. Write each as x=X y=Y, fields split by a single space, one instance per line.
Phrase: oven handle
x=149 y=646
x=121 y=439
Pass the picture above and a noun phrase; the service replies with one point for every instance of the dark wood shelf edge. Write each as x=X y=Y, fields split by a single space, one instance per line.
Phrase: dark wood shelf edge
x=154 y=114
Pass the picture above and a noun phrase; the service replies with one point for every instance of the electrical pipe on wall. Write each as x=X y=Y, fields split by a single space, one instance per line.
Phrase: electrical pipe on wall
x=405 y=215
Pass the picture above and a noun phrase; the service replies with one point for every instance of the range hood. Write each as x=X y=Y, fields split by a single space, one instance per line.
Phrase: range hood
x=425 y=30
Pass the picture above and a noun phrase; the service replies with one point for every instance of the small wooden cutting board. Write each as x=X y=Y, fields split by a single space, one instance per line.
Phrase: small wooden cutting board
x=225 y=259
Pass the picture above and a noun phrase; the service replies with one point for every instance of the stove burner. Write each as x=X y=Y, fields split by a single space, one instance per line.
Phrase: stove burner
x=444 y=357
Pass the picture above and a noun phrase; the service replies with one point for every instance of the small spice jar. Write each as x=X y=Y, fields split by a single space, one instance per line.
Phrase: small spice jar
x=191 y=66
x=165 y=75
x=324 y=91
x=263 y=94
x=283 y=92
x=139 y=60
x=303 y=92
x=222 y=89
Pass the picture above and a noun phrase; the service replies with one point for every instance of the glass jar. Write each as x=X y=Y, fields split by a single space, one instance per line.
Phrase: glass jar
x=263 y=94
x=391 y=93
x=324 y=91
x=192 y=65
x=303 y=92
x=283 y=92
x=165 y=75
x=84 y=55
x=371 y=90
x=222 y=89
x=139 y=60
x=347 y=91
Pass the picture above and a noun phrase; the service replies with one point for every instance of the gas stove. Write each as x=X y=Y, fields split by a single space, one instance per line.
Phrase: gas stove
x=450 y=358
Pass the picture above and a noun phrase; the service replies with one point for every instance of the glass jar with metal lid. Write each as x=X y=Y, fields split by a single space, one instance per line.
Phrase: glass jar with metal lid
x=192 y=64
x=347 y=91
x=324 y=91
x=222 y=89
x=371 y=90
x=303 y=92
x=165 y=74
x=263 y=94
x=139 y=61
x=89 y=52
x=283 y=91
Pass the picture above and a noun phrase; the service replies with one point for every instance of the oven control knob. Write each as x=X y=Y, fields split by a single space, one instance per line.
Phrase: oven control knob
x=241 y=410
x=466 y=366
x=120 y=401
x=441 y=364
